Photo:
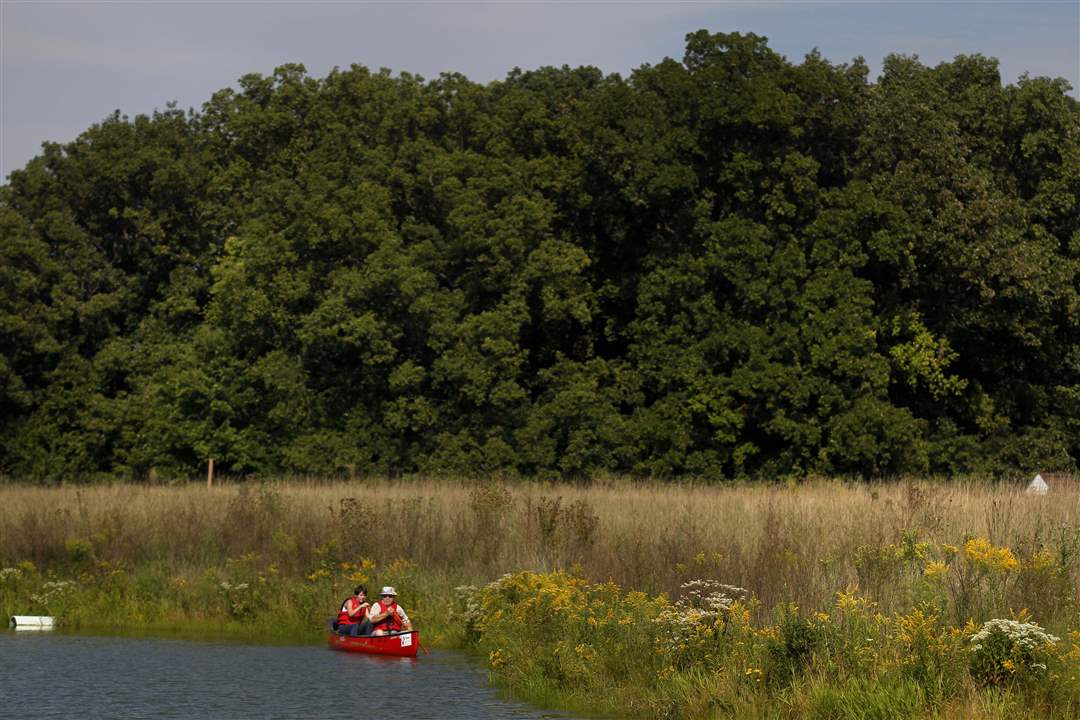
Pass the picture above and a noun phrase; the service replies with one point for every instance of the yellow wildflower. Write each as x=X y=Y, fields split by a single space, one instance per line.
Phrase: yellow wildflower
x=935 y=569
x=586 y=652
x=1040 y=561
x=981 y=553
x=401 y=564
x=850 y=601
x=1021 y=615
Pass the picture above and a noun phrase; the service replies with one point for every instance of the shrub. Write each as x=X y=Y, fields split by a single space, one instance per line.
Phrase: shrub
x=1044 y=585
x=927 y=649
x=239 y=598
x=540 y=628
x=583 y=522
x=1008 y=650
x=79 y=551
x=878 y=567
x=692 y=630
x=547 y=516
x=979 y=578
x=793 y=643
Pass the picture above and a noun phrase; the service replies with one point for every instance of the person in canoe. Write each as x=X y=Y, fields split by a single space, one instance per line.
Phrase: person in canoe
x=353 y=615
x=386 y=616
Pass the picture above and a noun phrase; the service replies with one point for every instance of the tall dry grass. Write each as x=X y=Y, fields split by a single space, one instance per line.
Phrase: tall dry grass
x=797 y=543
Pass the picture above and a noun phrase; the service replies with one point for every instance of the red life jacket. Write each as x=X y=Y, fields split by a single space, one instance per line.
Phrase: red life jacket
x=344 y=617
x=390 y=623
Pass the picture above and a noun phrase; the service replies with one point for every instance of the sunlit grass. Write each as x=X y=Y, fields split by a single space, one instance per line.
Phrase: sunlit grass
x=798 y=543
x=910 y=564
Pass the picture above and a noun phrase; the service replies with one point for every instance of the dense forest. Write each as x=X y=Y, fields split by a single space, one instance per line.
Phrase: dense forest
x=725 y=267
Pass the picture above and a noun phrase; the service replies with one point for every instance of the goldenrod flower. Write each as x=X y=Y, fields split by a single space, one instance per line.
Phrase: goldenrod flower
x=981 y=553
x=936 y=569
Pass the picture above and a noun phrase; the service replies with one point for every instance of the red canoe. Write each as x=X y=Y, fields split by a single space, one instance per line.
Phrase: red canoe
x=398 y=645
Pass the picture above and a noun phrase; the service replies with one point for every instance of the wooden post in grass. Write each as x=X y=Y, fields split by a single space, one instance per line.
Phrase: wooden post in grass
x=210 y=473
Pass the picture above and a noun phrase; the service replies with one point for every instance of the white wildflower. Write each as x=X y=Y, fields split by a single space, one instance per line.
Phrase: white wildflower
x=701 y=605
x=52 y=589
x=1023 y=644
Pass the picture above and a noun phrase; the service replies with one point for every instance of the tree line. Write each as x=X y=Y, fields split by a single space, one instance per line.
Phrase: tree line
x=729 y=266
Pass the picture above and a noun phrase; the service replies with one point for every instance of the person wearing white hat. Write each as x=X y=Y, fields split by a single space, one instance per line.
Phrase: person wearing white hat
x=386 y=616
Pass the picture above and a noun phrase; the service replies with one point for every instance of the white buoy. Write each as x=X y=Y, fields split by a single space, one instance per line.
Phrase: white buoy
x=1038 y=486
x=31 y=622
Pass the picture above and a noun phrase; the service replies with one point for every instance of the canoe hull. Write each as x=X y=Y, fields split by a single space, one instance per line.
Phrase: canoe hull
x=400 y=645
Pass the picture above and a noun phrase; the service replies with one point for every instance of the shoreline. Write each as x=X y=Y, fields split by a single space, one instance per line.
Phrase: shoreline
x=622 y=599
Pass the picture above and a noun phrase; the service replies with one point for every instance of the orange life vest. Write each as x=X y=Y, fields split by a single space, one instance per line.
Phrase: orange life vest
x=350 y=608
x=390 y=623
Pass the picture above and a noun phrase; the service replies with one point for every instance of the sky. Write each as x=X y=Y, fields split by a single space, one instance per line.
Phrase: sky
x=67 y=65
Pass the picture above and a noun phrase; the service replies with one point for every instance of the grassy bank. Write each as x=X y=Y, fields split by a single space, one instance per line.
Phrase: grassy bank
x=839 y=586
x=561 y=640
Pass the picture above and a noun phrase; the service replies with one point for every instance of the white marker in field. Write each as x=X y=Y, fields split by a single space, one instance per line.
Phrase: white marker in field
x=1038 y=486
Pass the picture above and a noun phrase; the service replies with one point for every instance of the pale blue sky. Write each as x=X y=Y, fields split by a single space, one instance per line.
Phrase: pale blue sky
x=66 y=65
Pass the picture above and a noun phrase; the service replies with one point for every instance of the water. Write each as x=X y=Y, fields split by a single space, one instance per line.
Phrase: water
x=55 y=675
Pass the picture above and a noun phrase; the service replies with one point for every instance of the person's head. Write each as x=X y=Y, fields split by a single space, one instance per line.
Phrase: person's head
x=388 y=595
x=360 y=592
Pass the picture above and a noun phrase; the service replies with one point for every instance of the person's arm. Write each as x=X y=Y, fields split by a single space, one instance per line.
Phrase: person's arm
x=406 y=623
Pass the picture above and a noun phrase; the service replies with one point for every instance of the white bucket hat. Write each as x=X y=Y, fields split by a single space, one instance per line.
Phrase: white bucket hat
x=388 y=590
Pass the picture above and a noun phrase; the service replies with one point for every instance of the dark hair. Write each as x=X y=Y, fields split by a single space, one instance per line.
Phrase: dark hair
x=359 y=589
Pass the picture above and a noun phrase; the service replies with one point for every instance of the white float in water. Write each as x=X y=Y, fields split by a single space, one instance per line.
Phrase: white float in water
x=1038 y=486
x=31 y=622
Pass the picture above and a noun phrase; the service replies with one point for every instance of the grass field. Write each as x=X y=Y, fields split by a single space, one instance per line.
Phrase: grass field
x=916 y=566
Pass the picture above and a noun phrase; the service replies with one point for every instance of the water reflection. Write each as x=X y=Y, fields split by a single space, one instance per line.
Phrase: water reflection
x=59 y=675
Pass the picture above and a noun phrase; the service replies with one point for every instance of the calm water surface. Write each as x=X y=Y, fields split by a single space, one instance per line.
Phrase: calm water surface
x=55 y=675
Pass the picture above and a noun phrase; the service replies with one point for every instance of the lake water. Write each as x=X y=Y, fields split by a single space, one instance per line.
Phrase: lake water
x=57 y=675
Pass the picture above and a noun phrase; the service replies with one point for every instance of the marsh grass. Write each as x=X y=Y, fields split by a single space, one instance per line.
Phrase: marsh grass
x=858 y=597
x=785 y=543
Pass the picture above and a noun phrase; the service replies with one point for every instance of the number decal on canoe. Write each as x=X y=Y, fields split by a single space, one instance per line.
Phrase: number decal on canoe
x=406 y=640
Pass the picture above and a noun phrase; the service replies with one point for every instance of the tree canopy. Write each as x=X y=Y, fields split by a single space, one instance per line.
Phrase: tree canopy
x=729 y=266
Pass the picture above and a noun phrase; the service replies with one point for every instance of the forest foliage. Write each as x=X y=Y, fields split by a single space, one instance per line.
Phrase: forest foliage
x=729 y=266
